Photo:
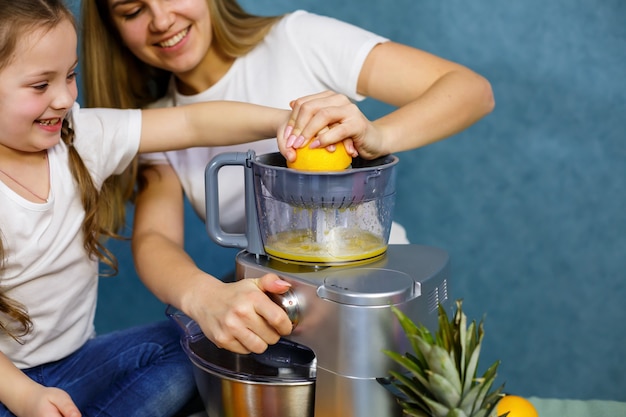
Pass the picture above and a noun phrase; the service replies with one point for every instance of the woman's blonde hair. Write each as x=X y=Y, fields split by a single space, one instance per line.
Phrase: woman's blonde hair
x=113 y=77
x=16 y=18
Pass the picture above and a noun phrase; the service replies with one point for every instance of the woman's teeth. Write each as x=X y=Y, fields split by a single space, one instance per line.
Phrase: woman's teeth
x=174 y=39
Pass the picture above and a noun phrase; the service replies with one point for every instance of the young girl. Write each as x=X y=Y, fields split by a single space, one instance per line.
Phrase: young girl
x=54 y=157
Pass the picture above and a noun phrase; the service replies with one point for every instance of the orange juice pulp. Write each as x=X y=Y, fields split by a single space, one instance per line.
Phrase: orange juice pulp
x=340 y=245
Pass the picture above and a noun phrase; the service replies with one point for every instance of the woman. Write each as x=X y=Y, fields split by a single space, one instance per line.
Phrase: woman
x=166 y=53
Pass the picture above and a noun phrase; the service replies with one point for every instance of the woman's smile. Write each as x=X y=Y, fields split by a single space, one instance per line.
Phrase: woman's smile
x=170 y=35
x=174 y=40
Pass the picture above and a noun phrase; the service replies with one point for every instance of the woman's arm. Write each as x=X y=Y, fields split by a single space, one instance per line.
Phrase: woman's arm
x=434 y=99
x=236 y=316
x=214 y=123
x=26 y=398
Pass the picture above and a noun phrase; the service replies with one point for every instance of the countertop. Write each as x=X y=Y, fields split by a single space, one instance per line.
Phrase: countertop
x=553 y=407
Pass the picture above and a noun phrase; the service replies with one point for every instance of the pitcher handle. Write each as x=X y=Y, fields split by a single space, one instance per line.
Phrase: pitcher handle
x=251 y=239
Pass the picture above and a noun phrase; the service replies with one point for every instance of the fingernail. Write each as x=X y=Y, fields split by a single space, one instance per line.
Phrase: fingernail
x=288 y=131
x=299 y=142
x=315 y=144
x=283 y=283
x=290 y=140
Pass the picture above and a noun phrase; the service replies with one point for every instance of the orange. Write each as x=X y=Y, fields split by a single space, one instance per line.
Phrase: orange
x=320 y=159
x=516 y=407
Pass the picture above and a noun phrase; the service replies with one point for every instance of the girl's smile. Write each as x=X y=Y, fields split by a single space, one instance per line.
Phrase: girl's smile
x=51 y=125
x=38 y=88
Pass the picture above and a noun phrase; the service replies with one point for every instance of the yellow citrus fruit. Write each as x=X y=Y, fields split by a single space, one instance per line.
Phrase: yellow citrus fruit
x=516 y=407
x=320 y=159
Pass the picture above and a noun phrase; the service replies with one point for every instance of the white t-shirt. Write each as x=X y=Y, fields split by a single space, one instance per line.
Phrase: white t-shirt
x=303 y=54
x=46 y=266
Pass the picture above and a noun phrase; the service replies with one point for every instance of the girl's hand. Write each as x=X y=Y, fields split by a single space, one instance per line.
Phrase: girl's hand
x=240 y=317
x=49 y=402
x=328 y=118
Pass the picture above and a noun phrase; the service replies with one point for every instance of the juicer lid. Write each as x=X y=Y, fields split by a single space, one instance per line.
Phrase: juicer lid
x=276 y=160
x=369 y=287
x=365 y=180
x=285 y=361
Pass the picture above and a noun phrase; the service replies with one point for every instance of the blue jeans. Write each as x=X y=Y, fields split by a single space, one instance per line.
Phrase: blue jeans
x=137 y=372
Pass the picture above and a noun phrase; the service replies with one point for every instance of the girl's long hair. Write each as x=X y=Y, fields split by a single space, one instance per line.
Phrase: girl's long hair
x=16 y=19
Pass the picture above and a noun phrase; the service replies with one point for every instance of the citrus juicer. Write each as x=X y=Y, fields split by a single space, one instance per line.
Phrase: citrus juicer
x=334 y=218
x=326 y=234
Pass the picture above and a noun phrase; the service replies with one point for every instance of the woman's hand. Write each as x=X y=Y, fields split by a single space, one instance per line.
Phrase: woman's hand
x=239 y=316
x=236 y=316
x=328 y=118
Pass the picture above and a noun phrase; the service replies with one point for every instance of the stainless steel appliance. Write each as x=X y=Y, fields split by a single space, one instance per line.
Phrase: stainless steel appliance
x=280 y=382
x=326 y=233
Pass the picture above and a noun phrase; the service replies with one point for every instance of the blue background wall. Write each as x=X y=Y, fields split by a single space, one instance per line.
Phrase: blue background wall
x=529 y=202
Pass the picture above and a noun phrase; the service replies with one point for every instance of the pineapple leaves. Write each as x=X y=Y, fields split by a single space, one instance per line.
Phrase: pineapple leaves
x=440 y=363
x=470 y=369
x=456 y=413
x=443 y=390
x=440 y=373
x=415 y=334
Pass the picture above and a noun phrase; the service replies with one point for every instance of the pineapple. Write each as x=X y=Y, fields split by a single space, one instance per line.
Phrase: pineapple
x=441 y=372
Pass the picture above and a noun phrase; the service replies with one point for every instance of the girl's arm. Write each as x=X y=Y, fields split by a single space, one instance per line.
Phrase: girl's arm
x=26 y=398
x=434 y=99
x=215 y=123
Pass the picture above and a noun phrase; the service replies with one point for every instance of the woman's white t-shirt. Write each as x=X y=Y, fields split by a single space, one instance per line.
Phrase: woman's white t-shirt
x=303 y=54
x=46 y=267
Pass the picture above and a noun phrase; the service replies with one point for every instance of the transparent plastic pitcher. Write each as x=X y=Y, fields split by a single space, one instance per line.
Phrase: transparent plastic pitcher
x=325 y=218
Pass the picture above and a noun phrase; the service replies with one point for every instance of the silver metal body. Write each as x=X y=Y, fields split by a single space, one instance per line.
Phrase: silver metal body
x=343 y=314
x=226 y=390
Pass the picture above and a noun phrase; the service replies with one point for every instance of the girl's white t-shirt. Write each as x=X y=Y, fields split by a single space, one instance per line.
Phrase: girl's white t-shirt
x=46 y=267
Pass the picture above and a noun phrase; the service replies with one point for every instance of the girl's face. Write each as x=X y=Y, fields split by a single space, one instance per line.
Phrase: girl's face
x=38 y=88
x=174 y=35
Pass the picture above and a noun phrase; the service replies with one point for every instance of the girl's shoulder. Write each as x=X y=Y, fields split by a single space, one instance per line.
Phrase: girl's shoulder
x=91 y=123
x=106 y=139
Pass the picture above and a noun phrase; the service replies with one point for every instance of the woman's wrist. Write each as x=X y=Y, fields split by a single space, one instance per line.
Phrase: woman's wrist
x=197 y=293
